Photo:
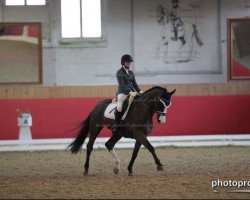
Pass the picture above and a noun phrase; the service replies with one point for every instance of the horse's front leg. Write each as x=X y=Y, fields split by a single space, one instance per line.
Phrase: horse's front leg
x=110 y=146
x=141 y=137
x=134 y=155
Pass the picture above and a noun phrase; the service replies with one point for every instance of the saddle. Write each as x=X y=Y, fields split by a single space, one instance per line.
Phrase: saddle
x=110 y=110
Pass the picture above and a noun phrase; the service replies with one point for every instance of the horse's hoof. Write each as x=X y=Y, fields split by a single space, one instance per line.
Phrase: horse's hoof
x=160 y=168
x=116 y=170
x=85 y=173
x=130 y=174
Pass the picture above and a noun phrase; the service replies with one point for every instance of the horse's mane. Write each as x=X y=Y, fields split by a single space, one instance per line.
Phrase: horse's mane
x=149 y=90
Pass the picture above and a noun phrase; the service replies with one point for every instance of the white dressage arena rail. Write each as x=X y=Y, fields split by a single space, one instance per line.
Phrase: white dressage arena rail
x=159 y=141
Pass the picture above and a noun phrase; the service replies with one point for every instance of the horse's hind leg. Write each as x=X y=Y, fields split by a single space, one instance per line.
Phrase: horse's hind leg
x=110 y=146
x=92 y=137
x=141 y=137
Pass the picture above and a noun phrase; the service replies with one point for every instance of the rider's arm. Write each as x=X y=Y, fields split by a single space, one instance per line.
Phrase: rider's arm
x=135 y=84
x=121 y=84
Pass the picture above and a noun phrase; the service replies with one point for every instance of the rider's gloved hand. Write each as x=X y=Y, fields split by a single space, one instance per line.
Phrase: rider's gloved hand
x=133 y=94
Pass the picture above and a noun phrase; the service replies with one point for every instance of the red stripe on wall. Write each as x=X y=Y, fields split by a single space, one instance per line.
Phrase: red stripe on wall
x=208 y=115
x=199 y=115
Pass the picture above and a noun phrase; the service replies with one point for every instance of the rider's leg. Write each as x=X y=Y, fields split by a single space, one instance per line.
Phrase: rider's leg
x=118 y=119
x=175 y=33
x=183 y=41
x=118 y=111
x=176 y=24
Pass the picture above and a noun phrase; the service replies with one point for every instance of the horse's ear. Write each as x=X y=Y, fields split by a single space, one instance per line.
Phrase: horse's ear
x=171 y=93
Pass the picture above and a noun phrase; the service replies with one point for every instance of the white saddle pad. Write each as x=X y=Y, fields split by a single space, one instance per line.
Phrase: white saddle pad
x=110 y=110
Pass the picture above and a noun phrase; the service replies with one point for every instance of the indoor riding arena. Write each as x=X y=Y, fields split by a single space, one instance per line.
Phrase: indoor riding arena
x=124 y=99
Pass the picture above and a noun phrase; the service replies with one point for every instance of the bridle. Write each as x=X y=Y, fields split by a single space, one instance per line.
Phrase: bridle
x=165 y=102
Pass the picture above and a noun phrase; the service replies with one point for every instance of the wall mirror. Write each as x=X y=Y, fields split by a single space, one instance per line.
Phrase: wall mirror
x=20 y=52
x=239 y=48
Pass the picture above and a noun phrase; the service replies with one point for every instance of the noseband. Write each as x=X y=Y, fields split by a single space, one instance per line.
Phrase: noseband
x=160 y=113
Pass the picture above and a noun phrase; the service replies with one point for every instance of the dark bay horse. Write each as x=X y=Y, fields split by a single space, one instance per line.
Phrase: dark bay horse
x=137 y=125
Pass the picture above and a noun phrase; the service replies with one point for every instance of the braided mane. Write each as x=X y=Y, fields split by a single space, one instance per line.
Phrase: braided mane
x=149 y=90
x=154 y=88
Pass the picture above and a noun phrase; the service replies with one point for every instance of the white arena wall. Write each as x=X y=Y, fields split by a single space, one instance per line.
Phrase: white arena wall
x=164 y=141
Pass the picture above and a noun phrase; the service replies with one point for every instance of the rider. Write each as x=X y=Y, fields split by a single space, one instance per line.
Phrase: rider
x=176 y=19
x=126 y=85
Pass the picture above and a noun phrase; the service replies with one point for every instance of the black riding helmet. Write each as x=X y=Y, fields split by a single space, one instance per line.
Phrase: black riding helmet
x=125 y=58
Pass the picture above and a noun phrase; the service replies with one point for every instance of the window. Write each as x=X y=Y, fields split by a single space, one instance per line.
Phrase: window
x=14 y=2
x=24 y=2
x=36 y=2
x=81 y=18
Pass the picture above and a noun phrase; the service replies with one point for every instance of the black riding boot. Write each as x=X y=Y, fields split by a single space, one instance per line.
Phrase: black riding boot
x=118 y=119
x=183 y=41
x=175 y=34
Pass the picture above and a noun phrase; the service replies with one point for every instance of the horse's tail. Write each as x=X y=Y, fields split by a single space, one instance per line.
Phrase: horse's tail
x=196 y=35
x=82 y=135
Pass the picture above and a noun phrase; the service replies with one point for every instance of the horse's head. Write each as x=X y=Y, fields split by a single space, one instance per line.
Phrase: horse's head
x=157 y=100
x=162 y=15
x=161 y=106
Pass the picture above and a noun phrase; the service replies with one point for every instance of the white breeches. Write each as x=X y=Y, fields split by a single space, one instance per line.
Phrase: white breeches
x=120 y=100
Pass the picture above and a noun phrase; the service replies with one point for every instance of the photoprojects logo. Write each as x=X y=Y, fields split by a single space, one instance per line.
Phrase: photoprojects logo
x=235 y=186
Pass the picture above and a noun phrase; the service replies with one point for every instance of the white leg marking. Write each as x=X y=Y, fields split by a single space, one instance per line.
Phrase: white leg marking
x=116 y=168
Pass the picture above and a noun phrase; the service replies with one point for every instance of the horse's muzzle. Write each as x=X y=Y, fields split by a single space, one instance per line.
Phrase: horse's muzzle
x=161 y=119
